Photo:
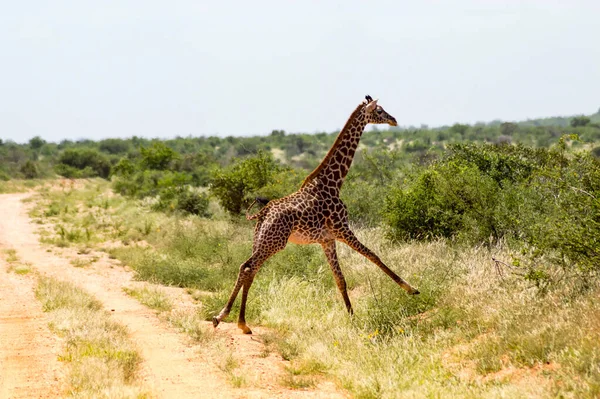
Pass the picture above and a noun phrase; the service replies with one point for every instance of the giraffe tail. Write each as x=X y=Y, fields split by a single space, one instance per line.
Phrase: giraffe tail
x=260 y=200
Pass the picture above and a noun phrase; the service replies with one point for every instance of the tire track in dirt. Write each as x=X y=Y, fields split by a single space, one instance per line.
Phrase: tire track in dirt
x=171 y=367
x=28 y=350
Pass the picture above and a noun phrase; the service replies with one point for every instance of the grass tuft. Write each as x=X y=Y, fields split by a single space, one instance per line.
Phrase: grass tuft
x=152 y=297
x=192 y=324
x=102 y=360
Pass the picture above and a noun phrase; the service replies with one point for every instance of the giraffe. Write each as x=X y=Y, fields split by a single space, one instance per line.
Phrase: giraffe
x=313 y=214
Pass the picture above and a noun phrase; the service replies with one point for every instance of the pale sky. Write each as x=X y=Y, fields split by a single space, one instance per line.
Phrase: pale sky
x=117 y=68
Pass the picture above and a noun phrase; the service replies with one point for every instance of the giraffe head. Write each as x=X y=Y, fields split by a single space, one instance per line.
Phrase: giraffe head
x=376 y=114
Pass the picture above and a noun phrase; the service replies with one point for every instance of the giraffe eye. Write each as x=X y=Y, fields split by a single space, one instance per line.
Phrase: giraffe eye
x=379 y=110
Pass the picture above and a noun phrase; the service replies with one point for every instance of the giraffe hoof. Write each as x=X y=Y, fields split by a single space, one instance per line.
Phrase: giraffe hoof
x=215 y=321
x=245 y=329
x=414 y=292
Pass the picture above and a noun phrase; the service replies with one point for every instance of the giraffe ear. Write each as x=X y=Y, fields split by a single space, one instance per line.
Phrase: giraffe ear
x=371 y=106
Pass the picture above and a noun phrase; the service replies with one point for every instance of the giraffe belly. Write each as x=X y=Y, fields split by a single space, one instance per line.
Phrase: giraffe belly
x=301 y=237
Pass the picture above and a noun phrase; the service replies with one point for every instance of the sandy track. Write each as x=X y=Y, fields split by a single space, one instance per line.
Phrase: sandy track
x=28 y=350
x=171 y=368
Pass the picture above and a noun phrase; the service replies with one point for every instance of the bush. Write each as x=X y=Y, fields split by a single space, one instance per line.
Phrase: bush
x=36 y=143
x=158 y=156
x=193 y=203
x=443 y=201
x=83 y=163
x=124 y=168
x=546 y=201
x=150 y=183
x=30 y=170
x=580 y=121
x=234 y=186
x=368 y=182
x=74 y=173
x=114 y=146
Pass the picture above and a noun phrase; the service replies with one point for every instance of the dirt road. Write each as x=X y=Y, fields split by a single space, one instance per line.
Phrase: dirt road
x=28 y=350
x=172 y=367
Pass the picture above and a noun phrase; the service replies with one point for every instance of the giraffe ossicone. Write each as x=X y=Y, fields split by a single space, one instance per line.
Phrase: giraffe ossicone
x=313 y=214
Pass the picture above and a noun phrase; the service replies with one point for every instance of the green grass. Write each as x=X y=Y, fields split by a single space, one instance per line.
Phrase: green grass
x=102 y=360
x=10 y=255
x=470 y=333
x=152 y=297
x=230 y=366
x=15 y=264
x=24 y=268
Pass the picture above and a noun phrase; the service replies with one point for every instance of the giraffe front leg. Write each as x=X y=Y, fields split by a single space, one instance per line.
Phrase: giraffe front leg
x=331 y=254
x=242 y=276
x=348 y=237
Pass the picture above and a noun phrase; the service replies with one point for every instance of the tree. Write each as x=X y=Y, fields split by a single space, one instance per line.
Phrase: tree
x=232 y=186
x=30 y=170
x=158 y=156
x=114 y=146
x=36 y=143
x=83 y=163
x=508 y=128
x=459 y=128
x=580 y=121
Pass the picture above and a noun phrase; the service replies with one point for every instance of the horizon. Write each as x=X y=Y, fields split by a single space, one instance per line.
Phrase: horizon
x=76 y=71
x=369 y=128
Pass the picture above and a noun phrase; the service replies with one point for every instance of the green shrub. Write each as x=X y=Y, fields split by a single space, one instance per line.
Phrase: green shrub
x=233 y=186
x=158 y=156
x=124 y=167
x=71 y=172
x=544 y=201
x=193 y=202
x=442 y=201
x=83 y=163
x=581 y=120
x=368 y=182
x=114 y=146
x=30 y=170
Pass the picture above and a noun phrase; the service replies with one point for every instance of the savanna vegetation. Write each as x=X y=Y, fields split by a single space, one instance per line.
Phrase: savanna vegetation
x=102 y=361
x=497 y=224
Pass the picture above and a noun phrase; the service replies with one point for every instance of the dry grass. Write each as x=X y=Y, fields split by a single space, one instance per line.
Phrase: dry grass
x=10 y=255
x=103 y=362
x=230 y=366
x=20 y=186
x=457 y=339
x=15 y=264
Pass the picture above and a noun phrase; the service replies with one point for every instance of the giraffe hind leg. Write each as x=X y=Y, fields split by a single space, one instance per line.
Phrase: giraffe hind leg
x=347 y=237
x=242 y=317
x=270 y=238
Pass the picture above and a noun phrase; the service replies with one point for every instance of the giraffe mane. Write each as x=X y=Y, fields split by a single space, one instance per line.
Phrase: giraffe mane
x=337 y=142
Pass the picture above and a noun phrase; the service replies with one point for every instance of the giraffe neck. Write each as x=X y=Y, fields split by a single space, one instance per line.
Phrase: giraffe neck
x=333 y=169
